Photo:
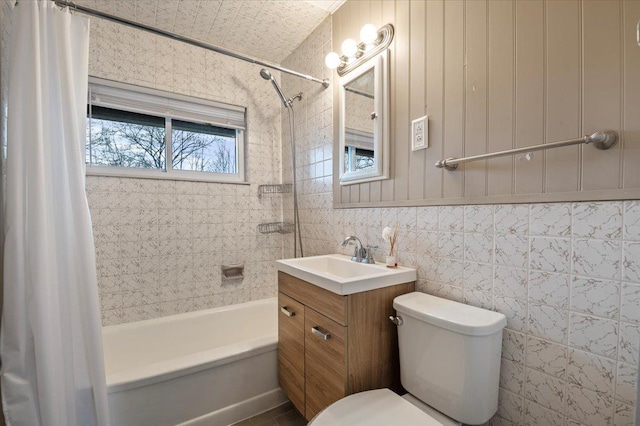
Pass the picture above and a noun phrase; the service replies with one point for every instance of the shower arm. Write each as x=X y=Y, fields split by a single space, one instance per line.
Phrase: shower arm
x=297 y=97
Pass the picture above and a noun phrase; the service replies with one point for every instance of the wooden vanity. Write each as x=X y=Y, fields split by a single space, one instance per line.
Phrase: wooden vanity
x=331 y=345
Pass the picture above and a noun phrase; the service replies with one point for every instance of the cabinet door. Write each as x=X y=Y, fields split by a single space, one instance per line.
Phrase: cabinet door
x=325 y=362
x=291 y=349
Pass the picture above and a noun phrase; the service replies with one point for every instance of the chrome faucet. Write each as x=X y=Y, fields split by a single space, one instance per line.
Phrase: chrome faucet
x=360 y=254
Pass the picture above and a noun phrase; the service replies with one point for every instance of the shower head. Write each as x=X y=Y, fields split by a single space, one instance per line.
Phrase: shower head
x=267 y=76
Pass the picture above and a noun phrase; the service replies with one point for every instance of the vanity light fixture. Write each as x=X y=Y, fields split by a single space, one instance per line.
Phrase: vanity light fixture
x=369 y=34
x=350 y=48
x=332 y=60
x=353 y=53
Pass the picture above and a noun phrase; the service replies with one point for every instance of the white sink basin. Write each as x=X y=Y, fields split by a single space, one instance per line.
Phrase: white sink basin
x=340 y=275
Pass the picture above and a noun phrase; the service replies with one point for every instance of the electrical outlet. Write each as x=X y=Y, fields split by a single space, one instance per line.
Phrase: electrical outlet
x=420 y=133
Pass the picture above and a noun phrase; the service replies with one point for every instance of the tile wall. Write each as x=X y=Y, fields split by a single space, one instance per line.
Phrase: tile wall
x=160 y=243
x=567 y=275
x=314 y=139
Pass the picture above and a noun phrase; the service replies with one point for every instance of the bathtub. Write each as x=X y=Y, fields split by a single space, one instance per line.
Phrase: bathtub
x=212 y=367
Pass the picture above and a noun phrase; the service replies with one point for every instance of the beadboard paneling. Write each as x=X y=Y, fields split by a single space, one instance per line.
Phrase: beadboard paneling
x=602 y=90
x=454 y=95
x=495 y=75
x=433 y=96
x=631 y=105
x=417 y=81
x=475 y=114
x=563 y=96
x=530 y=83
x=500 y=100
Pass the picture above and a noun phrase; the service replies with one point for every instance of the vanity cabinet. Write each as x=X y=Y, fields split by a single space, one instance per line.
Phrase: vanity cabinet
x=331 y=346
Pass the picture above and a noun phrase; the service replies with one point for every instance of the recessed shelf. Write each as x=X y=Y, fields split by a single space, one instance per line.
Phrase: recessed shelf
x=232 y=272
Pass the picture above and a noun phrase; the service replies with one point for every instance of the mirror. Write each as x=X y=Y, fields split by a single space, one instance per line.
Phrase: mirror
x=363 y=126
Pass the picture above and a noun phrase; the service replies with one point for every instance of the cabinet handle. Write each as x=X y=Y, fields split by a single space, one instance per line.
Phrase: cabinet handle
x=285 y=310
x=324 y=336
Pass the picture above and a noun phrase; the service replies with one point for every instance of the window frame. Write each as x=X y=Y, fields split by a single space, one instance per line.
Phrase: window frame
x=170 y=173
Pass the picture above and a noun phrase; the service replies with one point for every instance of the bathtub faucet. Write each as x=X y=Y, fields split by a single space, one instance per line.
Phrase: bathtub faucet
x=359 y=253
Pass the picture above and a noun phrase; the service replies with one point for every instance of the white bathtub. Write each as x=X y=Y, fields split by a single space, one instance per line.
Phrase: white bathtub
x=212 y=367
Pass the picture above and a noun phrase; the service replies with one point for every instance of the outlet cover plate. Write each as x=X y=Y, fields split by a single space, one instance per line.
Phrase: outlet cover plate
x=420 y=133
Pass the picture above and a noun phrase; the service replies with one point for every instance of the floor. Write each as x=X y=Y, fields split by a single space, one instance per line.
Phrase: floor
x=283 y=415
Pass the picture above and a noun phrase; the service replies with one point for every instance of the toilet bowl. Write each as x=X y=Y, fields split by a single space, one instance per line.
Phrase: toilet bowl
x=449 y=364
x=380 y=407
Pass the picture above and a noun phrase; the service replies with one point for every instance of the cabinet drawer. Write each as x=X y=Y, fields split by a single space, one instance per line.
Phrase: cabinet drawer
x=325 y=362
x=291 y=349
x=327 y=303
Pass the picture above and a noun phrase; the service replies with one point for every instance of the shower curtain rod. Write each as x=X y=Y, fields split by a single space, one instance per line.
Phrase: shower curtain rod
x=213 y=48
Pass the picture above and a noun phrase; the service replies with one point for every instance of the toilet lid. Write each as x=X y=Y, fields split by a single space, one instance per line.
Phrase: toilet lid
x=380 y=407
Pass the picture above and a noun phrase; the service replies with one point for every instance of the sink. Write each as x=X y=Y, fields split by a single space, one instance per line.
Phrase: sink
x=339 y=274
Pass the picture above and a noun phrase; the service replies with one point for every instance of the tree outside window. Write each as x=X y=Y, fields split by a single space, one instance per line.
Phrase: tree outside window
x=120 y=138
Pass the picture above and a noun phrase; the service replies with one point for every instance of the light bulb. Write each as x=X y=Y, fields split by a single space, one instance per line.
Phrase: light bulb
x=349 y=48
x=332 y=60
x=369 y=34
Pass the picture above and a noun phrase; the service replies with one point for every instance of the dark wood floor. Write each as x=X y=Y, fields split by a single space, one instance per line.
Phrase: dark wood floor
x=284 y=415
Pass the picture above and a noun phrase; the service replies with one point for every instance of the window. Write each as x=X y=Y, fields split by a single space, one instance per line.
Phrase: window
x=358 y=159
x=125 y=139
x=358 y=150
x=133 y=131
x=203 y=148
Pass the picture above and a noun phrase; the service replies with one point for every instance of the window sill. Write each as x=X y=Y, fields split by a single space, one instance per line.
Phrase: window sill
x=158 y=175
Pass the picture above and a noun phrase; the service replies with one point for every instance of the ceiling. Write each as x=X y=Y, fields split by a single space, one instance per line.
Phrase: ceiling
x=266 y=29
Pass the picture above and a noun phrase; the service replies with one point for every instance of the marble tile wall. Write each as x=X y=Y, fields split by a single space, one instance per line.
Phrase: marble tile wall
x=566 y=275
x=160 y=243
x=313 y=134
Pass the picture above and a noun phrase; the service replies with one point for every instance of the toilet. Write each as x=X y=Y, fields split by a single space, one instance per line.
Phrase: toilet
x=449 y=364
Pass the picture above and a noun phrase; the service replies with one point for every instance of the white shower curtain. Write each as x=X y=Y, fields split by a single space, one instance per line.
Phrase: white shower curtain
x=51 y=348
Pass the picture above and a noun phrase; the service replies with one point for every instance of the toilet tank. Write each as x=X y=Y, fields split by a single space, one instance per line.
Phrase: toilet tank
x=450 y=355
